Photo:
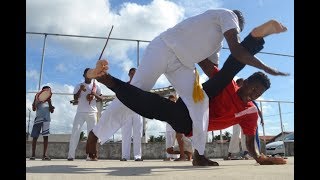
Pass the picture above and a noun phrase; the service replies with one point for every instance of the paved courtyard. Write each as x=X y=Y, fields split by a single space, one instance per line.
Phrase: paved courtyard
x=60 y=169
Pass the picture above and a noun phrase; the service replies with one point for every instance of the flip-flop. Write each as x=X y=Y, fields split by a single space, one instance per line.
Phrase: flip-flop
x=46 y=158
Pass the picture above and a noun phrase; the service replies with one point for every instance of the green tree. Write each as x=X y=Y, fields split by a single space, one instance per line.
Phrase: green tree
x=82 y=137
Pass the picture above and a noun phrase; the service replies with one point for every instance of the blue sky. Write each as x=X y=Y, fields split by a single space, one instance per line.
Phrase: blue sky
x=66 y=58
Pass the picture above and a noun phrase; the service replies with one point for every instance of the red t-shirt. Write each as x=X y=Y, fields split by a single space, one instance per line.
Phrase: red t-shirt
x=227 y=109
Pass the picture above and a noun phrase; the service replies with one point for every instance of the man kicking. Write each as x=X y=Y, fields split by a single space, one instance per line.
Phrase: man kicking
x=177 y=114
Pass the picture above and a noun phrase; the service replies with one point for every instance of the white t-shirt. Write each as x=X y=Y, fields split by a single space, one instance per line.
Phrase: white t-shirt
x=83 y=104
x=201 y=36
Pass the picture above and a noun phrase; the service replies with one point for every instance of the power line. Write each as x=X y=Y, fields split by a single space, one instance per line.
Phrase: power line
x=122 y=39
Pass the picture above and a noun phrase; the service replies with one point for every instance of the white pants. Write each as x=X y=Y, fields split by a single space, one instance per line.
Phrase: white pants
x=234 y=142
x=90 y=118
x=158 y=59
x=132 y=128
x=170 y=140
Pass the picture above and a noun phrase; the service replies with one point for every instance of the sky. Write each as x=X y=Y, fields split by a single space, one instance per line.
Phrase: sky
x=65 y=58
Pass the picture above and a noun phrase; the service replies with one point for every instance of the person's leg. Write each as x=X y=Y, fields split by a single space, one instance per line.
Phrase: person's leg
x=91 y=120
x=75 y=134
x=45 y=134
x=179 y=137
x=137 y=134
x=234 y=141
x=151 y=105
x=34 y=145
x=36 y=128
x=231 y=67
x=111 y=120
x=182 y=78
x=170 y=138
x=126 y=132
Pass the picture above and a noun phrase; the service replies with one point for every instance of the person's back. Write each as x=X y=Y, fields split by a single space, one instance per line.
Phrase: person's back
x=198 y=37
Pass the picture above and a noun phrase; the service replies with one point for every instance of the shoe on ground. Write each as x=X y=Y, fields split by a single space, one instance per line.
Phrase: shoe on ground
x=46 y=158
x=138 y=159
x=70 y=159
x=123 y=159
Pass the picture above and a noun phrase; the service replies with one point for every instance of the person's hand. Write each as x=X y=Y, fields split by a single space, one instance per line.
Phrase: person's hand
x=83 y=88
x=51 y=109
x=100 y=70
x=275 y=72
x=90 y=97
x=264 y=160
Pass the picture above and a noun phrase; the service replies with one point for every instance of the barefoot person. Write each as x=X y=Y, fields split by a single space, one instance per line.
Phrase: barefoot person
x=177 y=114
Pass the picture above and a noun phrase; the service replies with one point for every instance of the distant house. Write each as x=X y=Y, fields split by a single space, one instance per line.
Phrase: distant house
x=279 y=137
x=268 y=138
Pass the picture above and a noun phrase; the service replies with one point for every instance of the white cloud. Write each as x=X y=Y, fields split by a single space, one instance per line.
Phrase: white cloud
x=61 y=67
x=32 y=74
x=193 y=7
x=95 y=18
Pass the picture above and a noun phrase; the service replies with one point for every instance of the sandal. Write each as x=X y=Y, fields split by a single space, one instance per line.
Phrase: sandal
x=46 y=158
x=32 y=158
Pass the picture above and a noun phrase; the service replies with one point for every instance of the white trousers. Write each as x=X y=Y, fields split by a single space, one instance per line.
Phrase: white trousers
x=132 y=128
x=79 y=119
x=170 y=140
x=158 y=59
x=235 y=139
x=234 y=142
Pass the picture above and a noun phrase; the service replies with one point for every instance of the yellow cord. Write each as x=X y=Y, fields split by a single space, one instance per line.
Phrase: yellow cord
x=197 y=89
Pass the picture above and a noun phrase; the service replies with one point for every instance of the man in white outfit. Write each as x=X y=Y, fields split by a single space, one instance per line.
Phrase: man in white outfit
x=86 y=93
x=132 y=128
x=174 y=53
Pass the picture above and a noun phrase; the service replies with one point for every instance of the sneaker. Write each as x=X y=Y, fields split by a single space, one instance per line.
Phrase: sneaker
x=138 y=159
x=201 y=160
x=247 y=157
x=123 y=159
x=70 y=159
x=46 y=158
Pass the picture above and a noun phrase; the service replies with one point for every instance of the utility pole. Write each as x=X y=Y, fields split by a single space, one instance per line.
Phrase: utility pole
x=28 y=124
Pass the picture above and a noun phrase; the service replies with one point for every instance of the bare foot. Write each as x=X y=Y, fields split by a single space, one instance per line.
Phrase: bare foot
x=270 y=27
x=101 y=68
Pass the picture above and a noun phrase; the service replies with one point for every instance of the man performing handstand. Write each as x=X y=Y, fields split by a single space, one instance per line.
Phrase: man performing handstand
x=228 y=105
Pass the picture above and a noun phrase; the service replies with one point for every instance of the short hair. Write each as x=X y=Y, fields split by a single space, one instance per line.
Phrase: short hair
x=261 y=78
x=85 y=71
x=132 y=69
x=238 y=80
x=240 y=18
x=45 y=87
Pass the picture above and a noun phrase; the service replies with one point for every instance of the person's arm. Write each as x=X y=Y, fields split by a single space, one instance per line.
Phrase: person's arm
x=99 y=97
x=259 y=112
x=242 y=55
x=77 y=94
x=250 y=146
x=207 y=67
x=51 y=108
x=261 y=158
x=34 y=104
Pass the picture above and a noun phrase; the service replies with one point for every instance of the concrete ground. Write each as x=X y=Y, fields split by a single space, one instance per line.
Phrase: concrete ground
x=60 y=169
